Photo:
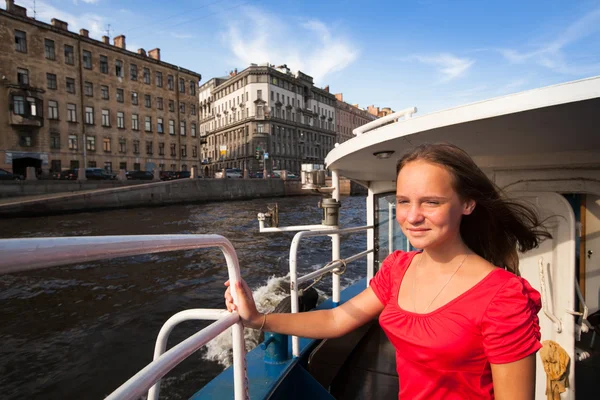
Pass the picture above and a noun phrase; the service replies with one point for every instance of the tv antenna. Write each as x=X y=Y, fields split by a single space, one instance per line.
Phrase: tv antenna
x=108 y=30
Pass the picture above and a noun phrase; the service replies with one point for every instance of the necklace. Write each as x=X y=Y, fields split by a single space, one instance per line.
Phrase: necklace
x=438 y=293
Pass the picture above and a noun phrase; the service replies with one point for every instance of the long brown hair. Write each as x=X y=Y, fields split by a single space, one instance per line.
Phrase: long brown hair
x=497 y=226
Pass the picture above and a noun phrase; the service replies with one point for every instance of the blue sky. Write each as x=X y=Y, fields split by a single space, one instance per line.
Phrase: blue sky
x=425 y=53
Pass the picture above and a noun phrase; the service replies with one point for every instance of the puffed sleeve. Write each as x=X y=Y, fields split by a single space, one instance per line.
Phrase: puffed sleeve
x=510 y=325
x=382 y=281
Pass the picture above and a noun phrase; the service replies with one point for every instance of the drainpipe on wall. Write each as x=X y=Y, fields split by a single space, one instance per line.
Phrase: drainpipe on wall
x=177 y=120
x=80 y=55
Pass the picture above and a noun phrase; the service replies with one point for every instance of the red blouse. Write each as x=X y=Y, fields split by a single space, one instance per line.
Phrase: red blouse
x=446 y=353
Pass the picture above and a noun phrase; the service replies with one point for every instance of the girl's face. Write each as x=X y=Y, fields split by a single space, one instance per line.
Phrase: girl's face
x=428 y=208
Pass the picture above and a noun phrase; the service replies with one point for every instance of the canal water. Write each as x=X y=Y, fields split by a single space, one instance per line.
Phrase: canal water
x=79 y=331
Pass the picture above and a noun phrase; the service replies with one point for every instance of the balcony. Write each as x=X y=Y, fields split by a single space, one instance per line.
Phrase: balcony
x=26 y=109
x=203 y=140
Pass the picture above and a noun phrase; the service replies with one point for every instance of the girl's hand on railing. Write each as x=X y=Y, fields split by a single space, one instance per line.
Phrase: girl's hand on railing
x=245 y=306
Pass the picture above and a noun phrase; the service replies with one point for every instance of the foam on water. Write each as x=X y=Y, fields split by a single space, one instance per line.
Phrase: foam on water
x=266 y=298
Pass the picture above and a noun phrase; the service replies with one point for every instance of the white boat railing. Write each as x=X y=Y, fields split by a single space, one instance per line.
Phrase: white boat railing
x=17 y=255
x=331 y=267
x=406 y=113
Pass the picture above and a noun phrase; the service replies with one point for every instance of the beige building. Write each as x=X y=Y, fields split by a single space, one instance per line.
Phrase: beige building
x=349 y=117
x=265 y=109
x=68 y=100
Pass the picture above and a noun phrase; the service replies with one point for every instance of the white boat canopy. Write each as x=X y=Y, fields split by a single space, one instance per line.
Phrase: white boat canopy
x=551 y=127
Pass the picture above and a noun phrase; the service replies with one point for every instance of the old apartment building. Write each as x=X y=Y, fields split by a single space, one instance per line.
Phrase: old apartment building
x=265 y=113
x=349 y=117
x=67 y=100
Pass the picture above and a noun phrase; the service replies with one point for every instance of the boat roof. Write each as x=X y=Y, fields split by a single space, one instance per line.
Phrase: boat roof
x=552 y=127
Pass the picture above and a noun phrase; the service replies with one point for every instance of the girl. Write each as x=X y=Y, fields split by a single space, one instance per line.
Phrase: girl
x=462 y=320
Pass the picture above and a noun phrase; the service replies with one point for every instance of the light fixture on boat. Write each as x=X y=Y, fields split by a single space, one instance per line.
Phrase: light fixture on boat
x=383 y=154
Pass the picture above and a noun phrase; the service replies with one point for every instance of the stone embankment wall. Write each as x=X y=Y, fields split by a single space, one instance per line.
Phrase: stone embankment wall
x=33 y=188
x=97 y=196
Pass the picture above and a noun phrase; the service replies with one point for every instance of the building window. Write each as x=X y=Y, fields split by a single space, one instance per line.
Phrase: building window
x=108 y=166
x=182 y=108
x=149 y=148
x=171 y=127
x=182 y=128
x=52 y=109
x=159 y=79
x=136 y=150
x=104 y=64
x=121 y=120
x=69 y=58
x=193 y=88
x=89 y=115
x=183 y=150
x=74 y=164
x=134 y=98
x=106 y=145
x=71 y=113
x=119 y=68
x=88 y=89
x=90 y=143
x=135 y=123
x=159 y=103
x=171 y=106
x=120 y=95
x=170 y=83
x=181 y=85
x=122 y=146
x=92 y=164
x=173 y=167
x=25 y=140
x=73 y=142
x=55 y=141
x=147 y=101
x=51 y=79
x=159 y=125
x=21 y=41
x=55 y=166
x=19 y=105
x=173 y=149
x=161 y=149
x=49 y=49
x=87 y=59
x=148 y=124
x=133 y=72
x=260 y=128
x=193 y=109
x=194 y=151
x=104 y=91
x=193 y=128
x=105 y=118
x=123 y=166
x=70 y=85
x=22 y=76
x=146 y=76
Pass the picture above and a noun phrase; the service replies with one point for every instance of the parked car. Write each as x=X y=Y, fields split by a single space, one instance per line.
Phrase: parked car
x=278 y=172
x=143 y=175
x=182 y=174
x=230 y=173
x=97 y=174
x=167 y=175
x=9 y=176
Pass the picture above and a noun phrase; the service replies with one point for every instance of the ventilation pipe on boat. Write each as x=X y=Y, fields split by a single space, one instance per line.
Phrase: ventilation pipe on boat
x=406 y=113
x=331 y=212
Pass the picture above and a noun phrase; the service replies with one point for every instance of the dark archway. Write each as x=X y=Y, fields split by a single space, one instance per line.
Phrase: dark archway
x=20 y=165
x=206 y=172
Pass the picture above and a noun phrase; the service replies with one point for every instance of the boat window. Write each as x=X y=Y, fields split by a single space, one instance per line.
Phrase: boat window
x=388 y=235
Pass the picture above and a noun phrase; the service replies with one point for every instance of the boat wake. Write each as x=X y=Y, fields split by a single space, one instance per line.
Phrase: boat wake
x=266 y=297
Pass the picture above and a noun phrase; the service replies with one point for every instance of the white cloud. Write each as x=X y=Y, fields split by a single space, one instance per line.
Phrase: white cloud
x=551 y=54
x=310 y=46
x=449 y=66
x=86 y=1
x=45 y=12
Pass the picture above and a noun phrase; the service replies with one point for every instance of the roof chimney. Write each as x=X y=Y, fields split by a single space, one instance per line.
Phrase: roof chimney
x=12 y=8
x=326 y=88
x=57 y=23
x=339 y=96
x=154 y=53
x=142 y=52
x=105 y=40
x=120 y=41
x=84 y=32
